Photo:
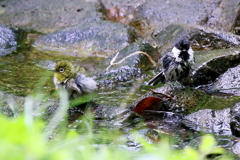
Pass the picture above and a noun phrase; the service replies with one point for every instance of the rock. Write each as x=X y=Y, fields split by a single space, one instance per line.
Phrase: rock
x=229 y=82
x=156 y=15
x=235 y=125
x=101 y=38
x=210 y=70
x=136 y=60
x=210 y=121
x=200 y=38
x=130 y=69
x=235 y=120
x=11 y=105
x=236 y=148
x=48 y=16
x=150 y=17
x=10 y=39
x=224 y=16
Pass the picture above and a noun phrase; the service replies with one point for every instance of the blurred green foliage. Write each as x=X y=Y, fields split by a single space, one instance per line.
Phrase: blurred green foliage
x=28 y=137
x=19 y=140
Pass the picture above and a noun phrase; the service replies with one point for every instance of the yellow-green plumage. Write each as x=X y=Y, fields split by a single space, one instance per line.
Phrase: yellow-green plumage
x=70 y=71
x=72 y=78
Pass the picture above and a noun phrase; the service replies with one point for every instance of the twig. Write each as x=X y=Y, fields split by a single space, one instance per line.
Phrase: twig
x=132 y=54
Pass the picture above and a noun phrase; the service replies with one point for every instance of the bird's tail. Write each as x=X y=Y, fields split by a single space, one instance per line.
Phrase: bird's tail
x=158 y=78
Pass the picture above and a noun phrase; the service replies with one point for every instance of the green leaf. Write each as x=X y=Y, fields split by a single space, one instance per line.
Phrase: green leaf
x=72 y=134
x=218 y=150
x=83 y=99
x=190 y=153
x=207 y=144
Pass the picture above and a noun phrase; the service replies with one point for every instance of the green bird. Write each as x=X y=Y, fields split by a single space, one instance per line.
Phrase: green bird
x=72 y=78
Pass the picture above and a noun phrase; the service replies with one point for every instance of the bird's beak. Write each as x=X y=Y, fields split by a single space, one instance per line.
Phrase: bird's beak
x=52 y=70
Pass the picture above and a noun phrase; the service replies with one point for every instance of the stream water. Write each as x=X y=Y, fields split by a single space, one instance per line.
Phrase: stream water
x=25 y=73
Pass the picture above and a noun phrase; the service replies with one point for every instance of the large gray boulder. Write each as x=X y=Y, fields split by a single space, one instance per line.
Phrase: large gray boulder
x=100 y=38
x=154 y=15
x=48 y=16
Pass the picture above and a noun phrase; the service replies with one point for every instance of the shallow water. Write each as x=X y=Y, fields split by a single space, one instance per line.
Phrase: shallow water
x=26 y=72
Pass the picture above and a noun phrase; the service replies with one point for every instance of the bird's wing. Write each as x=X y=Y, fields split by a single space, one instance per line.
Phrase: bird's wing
x=167 y=60
x=86 y=84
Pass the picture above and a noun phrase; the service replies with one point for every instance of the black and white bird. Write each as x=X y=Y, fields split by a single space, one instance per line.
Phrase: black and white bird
x=177 y=64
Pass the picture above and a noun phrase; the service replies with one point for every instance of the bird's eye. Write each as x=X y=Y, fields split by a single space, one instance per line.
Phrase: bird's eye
x=61 y=69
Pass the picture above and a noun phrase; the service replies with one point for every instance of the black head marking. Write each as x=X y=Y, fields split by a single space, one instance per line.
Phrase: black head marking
x=183 y=45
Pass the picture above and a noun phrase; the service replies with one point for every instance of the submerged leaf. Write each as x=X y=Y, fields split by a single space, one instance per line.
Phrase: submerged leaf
x=146 y=103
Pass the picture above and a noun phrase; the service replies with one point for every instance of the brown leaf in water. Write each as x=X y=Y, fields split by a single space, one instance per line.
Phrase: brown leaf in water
x=146 y=103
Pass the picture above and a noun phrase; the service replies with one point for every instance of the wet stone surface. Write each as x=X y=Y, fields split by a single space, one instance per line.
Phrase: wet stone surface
x=102 y=39
x=150 y=13
x=132 y=67
x=10 y=39
x=200 y=38
x=48 y=16
x=235 y=120
x=210 y=121
x=229 y=82
x=210 y=70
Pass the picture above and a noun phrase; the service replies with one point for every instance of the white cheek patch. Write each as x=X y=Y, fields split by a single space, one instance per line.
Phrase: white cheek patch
x=191 y=56
x=55 y=81
x=176 y=53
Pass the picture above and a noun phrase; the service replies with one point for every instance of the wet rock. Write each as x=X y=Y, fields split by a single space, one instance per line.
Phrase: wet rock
x=210 y=70
x=235 y=120
x=235 y=109
x=235 y=125
x=200 y=38
x=224 y=16
x=136 y=60
x=210 y=121
x=166 y=121
x=10 y=39
x=229 y=82
x=152 y=16
x=122 y=76
x=150 y=135
x=99 y=111
x=130 y=68
x=108 y=112
x=236 y=148
x=101 y=38
x=11 y=105
x=48 y=16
